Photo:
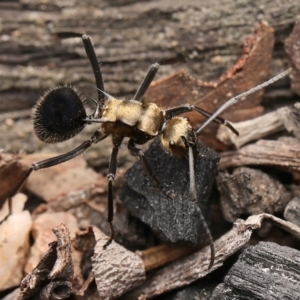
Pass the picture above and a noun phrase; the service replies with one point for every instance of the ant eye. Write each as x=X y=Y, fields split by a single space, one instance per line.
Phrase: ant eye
x=59 y=115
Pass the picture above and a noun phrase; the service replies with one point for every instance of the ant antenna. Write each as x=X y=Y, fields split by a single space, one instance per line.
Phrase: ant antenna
x=90 y=51
x=245 y=94
x=146 y=82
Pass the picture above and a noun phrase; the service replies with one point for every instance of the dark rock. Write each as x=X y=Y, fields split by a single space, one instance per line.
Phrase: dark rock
x=173 y=218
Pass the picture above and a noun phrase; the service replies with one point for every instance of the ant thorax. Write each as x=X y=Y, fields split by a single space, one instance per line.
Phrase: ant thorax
x=132 y=117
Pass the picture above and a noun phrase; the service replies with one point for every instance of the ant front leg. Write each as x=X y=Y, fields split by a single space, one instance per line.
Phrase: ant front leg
x=193 y=202
x=138 y=152
x=133 y=150
x=111 y=176
x=172 y=112
x=47 y=163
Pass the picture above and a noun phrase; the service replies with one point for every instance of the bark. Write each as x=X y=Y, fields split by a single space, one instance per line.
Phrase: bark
x=248 y=191
x=279 y=154
x=266 y=271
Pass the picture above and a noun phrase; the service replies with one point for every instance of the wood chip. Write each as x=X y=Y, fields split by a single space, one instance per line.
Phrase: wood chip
x=292 y=211
x=116 y=269
x=264 y=152
x=53 y=182
x=250 y=191
x=290 y=117
x=158 y=256
x=14 y=245
x=285 y=118
x=292 y=48
x=11 y=171
x=250 y=130
x=173 y=217
x=43 y=235
x=52 y=277
x=266 y=271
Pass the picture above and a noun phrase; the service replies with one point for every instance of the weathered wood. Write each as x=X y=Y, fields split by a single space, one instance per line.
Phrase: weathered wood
x=256 y=221
x=15 y=243
x=129 y=36
x=292 y=48
x=251 y=130
x=290 y=117
x=175 y=275
x=266 y=271
x=264 y=152
x=285 y=118
x=199 y=290
x=11 y=171
x=158 y=256
x=116 y=269
x=250 y=191
x=292 y=211
x=52 y=277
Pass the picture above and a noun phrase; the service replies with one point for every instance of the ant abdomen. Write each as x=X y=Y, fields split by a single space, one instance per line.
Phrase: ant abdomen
x=59 y=115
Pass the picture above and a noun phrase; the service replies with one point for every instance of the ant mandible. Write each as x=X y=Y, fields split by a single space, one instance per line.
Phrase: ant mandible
x=60 y=115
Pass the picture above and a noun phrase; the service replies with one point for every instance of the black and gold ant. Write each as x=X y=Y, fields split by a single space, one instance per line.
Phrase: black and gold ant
x=60 y=115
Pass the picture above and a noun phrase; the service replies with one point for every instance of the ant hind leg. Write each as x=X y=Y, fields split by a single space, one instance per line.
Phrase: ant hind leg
x=111 y=176
x=193 y=202
x=47 y=163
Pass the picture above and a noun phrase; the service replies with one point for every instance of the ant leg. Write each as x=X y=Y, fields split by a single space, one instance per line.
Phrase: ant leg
x=47 y=163
x=172 y=112
x=90 y=52
x=50 y=162
x=146 y=82
x=111 y=176
x=138 y=152
x=193 y=194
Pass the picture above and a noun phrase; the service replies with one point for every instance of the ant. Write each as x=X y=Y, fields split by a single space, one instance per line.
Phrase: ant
x=60 y=115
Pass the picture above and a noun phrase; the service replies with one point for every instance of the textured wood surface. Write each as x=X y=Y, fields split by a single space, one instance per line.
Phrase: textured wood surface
x=266 y=271
x=278 y=154
x=248 y=192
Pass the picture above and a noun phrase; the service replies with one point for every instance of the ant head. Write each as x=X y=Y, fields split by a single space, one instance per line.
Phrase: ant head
x=59 y=115
x=176 y=134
